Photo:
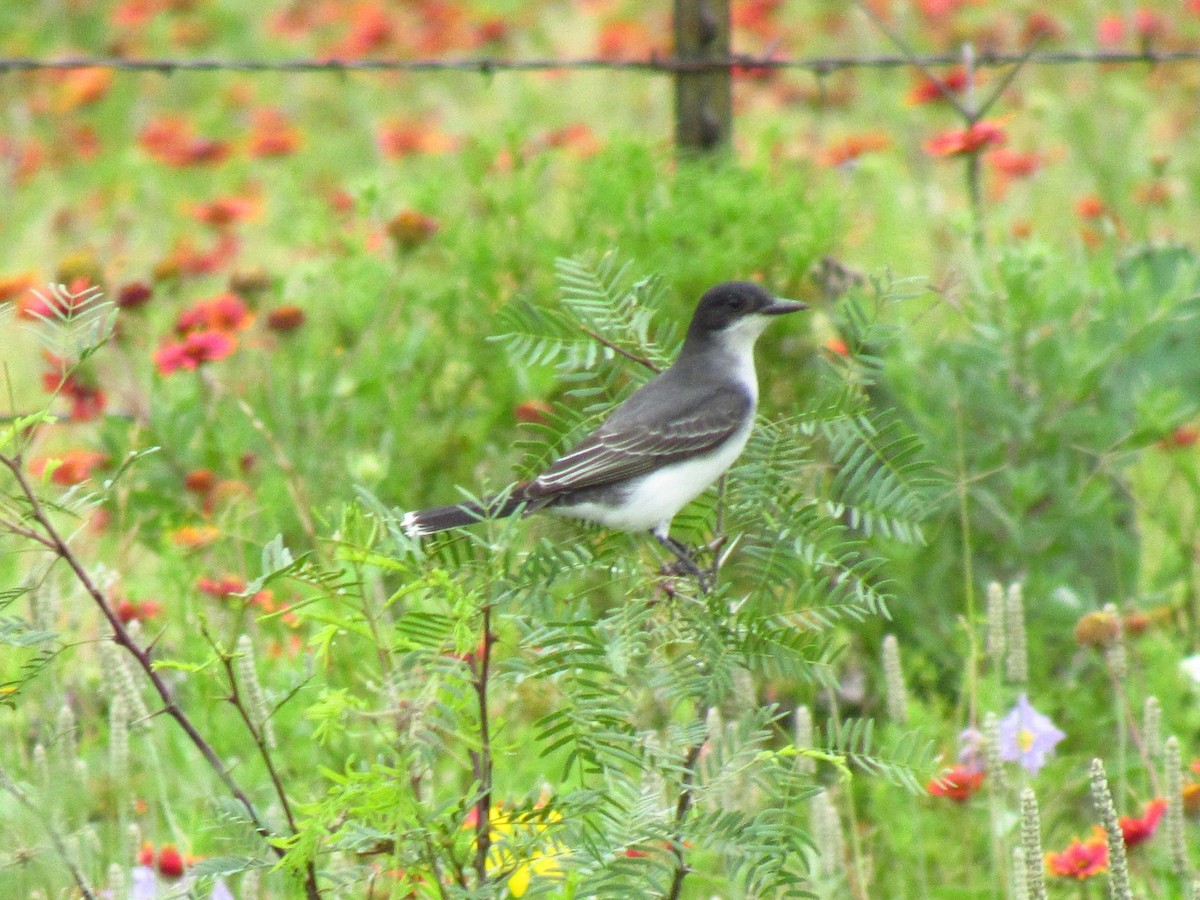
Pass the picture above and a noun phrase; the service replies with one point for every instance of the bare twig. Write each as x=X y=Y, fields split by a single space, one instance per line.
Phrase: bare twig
x=12 y=527
x=616 y=348
x=682 y=807
x=481 y=759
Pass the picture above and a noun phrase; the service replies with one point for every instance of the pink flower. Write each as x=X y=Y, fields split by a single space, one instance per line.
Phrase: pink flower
x=197 y=348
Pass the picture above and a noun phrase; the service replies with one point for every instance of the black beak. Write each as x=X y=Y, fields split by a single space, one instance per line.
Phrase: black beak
x=779 y=306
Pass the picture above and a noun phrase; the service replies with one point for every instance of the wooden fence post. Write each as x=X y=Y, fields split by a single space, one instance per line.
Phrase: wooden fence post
x=704 y=99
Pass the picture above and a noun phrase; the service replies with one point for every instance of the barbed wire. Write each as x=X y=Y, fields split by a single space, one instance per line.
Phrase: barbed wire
x=818 y=65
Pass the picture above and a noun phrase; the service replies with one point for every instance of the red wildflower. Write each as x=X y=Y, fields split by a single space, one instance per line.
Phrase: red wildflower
x=757 y=16
x=171 y=140
x=403 y=137
x=128 y=610
x=533 y=411
x=1090 y=207
x=225 y=586
x=185 y=258
x=194 y=537
x=70 y=468
x=927 y=90
x=13 y=286
x=577 y=137
x=837 y=346
x=940 y=9
x=225 y=313
x=82 y=87
x=1081 y=859
x=133 y=295
x=87 y=400
x=194 y=350
x=848 y=150
x=170 y=862
x=371 y=29
x=961 y=141
x=285 y=319
x=1148 y=24
x=200 y=481
x=272 y=135
x=1040 y=24
x=958 y=783
x=410 y=229
x=224 y=211
x=1014 y=163
x=22 y=159
x=1110 y=31
x=1136 y=830
x=492 y=30
x=624 y=39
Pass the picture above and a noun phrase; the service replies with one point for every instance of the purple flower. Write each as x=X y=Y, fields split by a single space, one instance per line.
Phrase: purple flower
x=1026 y=736
x=970 y=749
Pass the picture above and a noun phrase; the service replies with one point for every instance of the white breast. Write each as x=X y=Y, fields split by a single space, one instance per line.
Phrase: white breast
x=654 y=499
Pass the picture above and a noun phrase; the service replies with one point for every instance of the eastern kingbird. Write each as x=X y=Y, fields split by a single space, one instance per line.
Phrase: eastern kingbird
x=661 y=448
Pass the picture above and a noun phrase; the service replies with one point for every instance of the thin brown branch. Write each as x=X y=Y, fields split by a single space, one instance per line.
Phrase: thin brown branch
x=682 y=807
x=487 y=65
x=14 y=528
x=616 y=348
x=256 y=734
x=481 y=759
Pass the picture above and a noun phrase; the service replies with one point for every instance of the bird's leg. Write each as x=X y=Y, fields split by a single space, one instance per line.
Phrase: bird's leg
x=684 y=557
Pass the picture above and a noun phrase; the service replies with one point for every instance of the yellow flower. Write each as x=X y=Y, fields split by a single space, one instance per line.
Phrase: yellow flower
x=524 y=834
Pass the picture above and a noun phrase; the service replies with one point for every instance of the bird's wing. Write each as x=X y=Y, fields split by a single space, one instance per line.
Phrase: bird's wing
x=626 y=448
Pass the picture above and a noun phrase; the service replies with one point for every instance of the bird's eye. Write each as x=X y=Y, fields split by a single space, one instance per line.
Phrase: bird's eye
x=736 y=302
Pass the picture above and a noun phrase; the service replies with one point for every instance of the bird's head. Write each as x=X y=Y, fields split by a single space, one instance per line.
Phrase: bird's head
x=738 y=308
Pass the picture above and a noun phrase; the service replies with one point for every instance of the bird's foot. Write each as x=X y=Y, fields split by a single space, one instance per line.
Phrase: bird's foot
x=685 y=563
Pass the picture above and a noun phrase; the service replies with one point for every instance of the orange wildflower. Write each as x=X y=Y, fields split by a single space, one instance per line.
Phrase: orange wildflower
x=1081 y=859
x=963 y=141
x=285 y=319
x=225 y=211
x=849 y=149
x=272 y=134
x=82 y=87
x=958 y=783
x=171 y=140
x=927 y=90
x=410 y=229
x=225 y=586
x=70 y=468
x=13 y=286
x=194 y=537
x=1090 y=207
x=404 y=137
x=624 y=39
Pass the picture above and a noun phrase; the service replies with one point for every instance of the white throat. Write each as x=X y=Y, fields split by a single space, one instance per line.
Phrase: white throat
x=737 y=342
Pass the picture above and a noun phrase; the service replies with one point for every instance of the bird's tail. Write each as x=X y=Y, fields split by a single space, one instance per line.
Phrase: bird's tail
x=442 y=518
